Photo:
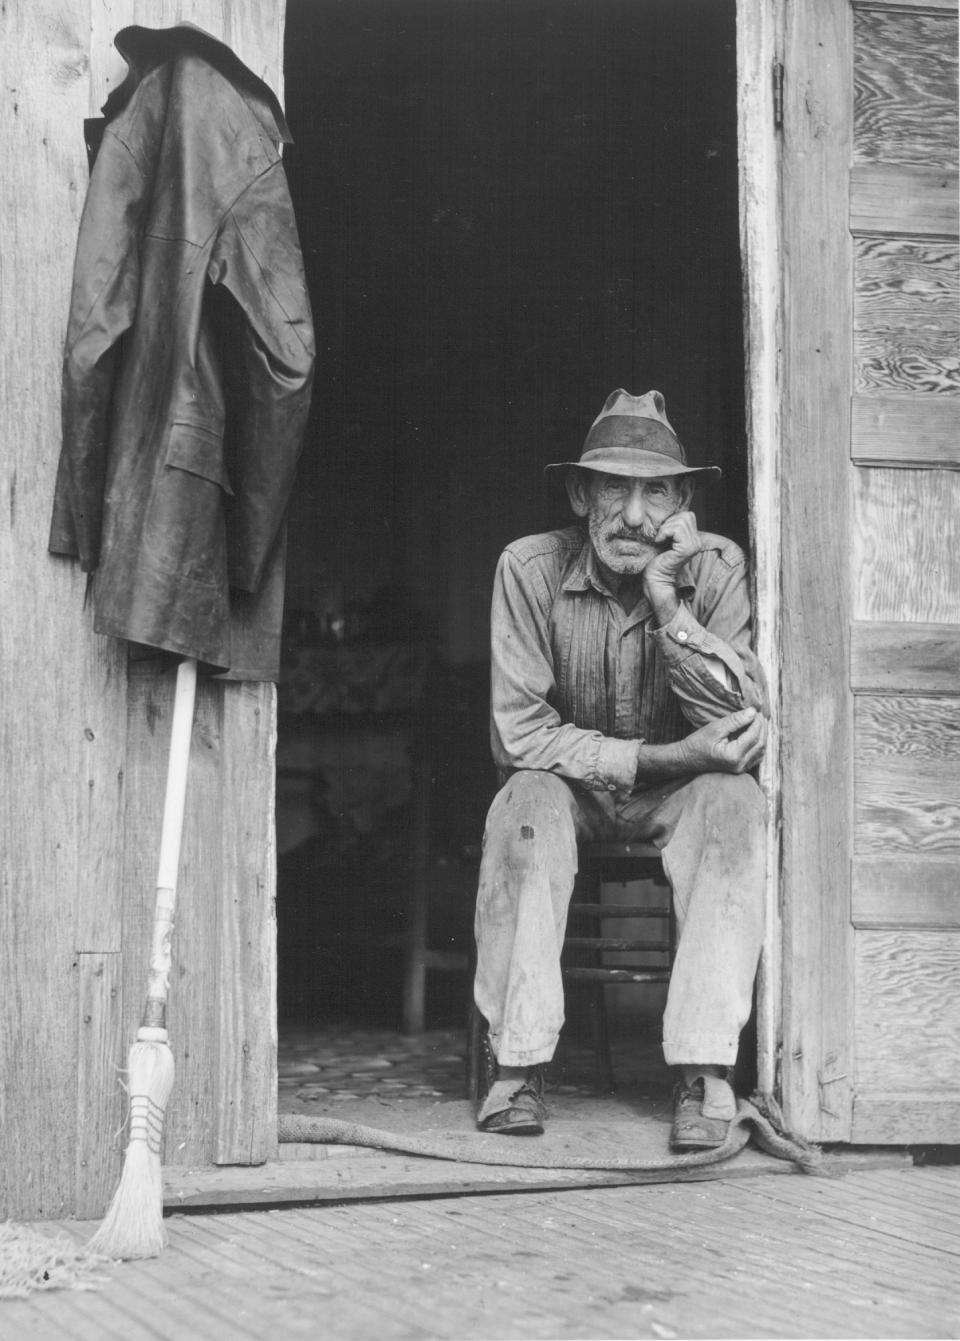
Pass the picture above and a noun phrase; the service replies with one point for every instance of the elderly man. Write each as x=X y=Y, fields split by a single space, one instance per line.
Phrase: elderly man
x=626 y=704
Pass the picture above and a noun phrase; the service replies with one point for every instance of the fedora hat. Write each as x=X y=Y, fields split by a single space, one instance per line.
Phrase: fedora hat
x=633 y=436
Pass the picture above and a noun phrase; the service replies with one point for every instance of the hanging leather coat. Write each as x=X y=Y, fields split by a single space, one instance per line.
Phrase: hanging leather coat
x=188 y=362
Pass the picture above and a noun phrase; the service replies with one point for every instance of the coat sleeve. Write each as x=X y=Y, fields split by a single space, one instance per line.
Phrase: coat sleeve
x=257 y=259
x=103 y=303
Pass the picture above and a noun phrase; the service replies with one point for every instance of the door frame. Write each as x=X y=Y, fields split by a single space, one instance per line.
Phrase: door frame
x=759 y=90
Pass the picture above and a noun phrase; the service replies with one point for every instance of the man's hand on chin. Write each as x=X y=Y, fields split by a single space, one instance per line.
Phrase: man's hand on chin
x=679 y=537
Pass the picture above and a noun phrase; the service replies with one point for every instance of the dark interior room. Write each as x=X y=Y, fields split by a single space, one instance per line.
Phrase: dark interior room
x=508 y=208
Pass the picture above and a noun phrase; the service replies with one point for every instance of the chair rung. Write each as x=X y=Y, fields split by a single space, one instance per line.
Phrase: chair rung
x=602 y=975
x=617 y=910
x=612 y=943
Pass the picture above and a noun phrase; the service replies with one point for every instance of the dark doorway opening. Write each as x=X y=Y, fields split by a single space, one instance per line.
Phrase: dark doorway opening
x=507 y=209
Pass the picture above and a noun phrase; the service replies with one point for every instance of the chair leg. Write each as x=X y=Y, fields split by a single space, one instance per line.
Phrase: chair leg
x=603 y=1061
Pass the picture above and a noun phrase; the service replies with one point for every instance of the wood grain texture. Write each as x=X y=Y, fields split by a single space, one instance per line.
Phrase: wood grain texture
x=892 y=658
x=914 y=891
x=905 y=542
x=905 y=88
x=817 y=710
x=906 y=807
x=60 y=688
x=925 y=730
x=758 y=161
x=100 y=1101
x=896 y=1119
x=908 y=200
x=907 y=780
x=908 y=1011
x=906 y=430
x=907 y=317
x=246 y=1120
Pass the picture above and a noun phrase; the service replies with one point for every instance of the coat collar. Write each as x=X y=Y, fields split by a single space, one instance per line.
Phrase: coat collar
x=145 y=48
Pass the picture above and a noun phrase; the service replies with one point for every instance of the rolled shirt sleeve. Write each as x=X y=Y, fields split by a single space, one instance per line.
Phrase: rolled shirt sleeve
x=526 y=728
x=711 y=665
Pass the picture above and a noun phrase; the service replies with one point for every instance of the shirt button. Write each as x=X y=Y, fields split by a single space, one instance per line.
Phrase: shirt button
x=681 y=635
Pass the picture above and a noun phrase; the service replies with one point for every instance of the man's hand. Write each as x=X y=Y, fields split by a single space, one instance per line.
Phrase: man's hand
x=732 y=744
x=680 y=540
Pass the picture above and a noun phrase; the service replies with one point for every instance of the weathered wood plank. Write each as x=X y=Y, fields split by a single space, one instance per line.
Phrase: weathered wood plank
x=899 y=1119
x=926 y=730
x=817 y=715
x=907 y=317
x=906 y=536
x=246 y=1090
x=905 y=87
x=910 y=891
x=905 y=806
x=908 y=1011
x=906 y=430
x=892 y=658
x=946 y=5
x=194 y=989
x=914 y=201
x=907 y=776
x=58 y=795
x=100 y=1106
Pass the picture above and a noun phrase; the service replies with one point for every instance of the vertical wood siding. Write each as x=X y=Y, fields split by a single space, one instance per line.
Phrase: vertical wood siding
x=906 y=586
x=82 y=749
x=817 y=709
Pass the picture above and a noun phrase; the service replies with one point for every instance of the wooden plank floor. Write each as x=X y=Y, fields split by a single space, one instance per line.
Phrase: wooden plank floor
x=873 y=1254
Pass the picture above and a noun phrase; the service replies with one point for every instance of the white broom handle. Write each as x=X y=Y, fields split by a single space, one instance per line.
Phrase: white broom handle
x=158 y=984
x=179 y=759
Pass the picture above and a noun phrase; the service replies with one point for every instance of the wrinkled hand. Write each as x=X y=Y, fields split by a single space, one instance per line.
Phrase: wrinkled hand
x=732 y=744
x=680 y=535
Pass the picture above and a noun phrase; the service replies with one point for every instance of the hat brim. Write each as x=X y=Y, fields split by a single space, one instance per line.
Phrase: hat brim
x=631 y=461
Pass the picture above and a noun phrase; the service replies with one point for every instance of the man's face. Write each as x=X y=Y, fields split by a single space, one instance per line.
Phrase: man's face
x=624 y=514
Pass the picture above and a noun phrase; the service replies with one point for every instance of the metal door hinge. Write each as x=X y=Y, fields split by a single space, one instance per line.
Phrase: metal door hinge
x=778 y=95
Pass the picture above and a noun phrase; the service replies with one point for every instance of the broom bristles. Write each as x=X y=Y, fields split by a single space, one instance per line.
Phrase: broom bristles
x=133 y=1225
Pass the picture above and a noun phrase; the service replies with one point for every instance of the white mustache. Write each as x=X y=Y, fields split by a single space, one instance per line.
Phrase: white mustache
x=639 y=537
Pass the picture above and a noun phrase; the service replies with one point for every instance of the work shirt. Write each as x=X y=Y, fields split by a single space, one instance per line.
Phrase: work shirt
x=578 y=684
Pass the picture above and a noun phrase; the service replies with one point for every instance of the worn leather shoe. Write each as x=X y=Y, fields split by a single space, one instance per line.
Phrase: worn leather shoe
x=523 y=1112
x=691 y=1130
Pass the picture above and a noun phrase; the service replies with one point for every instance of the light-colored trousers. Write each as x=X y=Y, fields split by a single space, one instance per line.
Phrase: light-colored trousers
x=710 y=831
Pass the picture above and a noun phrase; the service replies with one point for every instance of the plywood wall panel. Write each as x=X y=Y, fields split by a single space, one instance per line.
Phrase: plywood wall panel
x=906 y=539
x=903 y=806
x=913 y=430
x=926 y=730
x=915 y=891
x=906 y=658
x=907 y=316
x=905 y=80
x=907 y=776
x=916 y=202
x=908 y=1010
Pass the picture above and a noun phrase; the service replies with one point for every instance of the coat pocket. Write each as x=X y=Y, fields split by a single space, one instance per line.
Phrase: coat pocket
x=199 y=451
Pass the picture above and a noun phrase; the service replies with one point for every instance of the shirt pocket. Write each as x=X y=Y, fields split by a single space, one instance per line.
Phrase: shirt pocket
x=199 y=451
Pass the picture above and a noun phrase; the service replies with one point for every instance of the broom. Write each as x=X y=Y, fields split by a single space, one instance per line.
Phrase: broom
x=133 y=1225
